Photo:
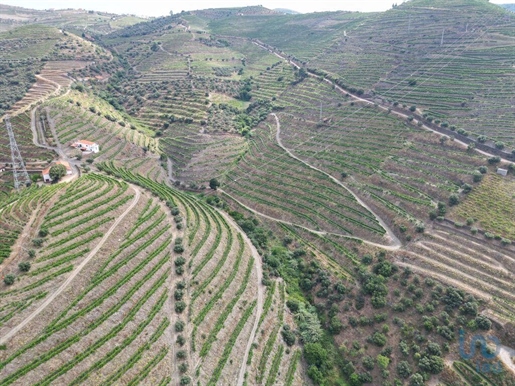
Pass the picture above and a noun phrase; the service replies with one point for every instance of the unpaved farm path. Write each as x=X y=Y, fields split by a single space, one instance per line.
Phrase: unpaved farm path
x=74 y=273
x=33 y=222
x=396 y=243
x=358 y=98
x=260 y=297
x=320 y=233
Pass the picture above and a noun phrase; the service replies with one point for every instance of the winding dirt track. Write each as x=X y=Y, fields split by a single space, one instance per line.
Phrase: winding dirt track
x=260 y=296
x=320 y=233
x=75 y=272
x=396 y=242
x=384 y=108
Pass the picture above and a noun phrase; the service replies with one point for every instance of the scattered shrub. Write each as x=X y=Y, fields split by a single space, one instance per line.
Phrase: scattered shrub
x=180 y=307
x=24 y=266
x=179 y=326
x=9 y=279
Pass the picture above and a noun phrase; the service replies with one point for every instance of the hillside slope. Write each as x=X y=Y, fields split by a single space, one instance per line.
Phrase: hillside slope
x=286 y=199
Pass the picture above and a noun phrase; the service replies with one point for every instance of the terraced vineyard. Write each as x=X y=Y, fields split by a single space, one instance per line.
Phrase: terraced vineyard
x=493 y=203
x=218 y=265
x=198 y=157
x=400 y=171
x=50 y=81
x=268 y=181
x=464 y=261
x=16 y=211
x=77 y=116
x=206 y=263
x=71 y=19
x=386 y=55
x=272 y=360
x=278 y=199
x=21 y=128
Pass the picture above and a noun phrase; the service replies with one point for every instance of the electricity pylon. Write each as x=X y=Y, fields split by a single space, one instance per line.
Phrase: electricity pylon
x=19 y=171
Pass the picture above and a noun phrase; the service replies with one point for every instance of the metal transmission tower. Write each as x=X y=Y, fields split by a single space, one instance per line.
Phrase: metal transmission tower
x=19 y=171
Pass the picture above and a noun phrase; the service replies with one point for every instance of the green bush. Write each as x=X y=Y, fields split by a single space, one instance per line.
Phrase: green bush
x=494 y=160
x=179 y=326
x=180 y=340
x=404 y=369
x=293 y=305
x=38 y=242
x=180 y=307
x=378 y=339
x=288 y=335
x=9 y=279
x=477 y=176
x=369 y=362
x=454 y=199
x=24 y=266
x=483 y=322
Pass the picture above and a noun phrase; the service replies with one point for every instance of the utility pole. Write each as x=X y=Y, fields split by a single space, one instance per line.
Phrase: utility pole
x=320 y=112
x=19 y=171
x=441 y=41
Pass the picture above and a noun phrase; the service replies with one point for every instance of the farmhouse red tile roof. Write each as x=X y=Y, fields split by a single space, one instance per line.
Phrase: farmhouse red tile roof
x=65 y=164
x=86 y=142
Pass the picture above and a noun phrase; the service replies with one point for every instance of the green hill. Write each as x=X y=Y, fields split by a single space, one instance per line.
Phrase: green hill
x=270 y=186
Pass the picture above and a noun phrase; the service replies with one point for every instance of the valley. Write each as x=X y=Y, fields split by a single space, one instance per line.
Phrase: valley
x=240 y=196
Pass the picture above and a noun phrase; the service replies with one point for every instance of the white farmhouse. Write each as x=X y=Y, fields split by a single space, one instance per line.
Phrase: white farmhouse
x=46 y=172
x=86 y=146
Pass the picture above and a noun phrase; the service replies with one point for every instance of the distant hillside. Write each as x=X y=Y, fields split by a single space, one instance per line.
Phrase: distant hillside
x=222 y=13
x=509 y=7
x=287 y=11
x=74 y=20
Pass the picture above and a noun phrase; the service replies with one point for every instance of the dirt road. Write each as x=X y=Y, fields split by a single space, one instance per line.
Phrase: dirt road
x=386 y=109
x=395 y=241
x=260 y=297
x=74 y=273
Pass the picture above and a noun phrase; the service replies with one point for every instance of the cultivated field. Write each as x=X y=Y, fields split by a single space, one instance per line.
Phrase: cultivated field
x=279 y=199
